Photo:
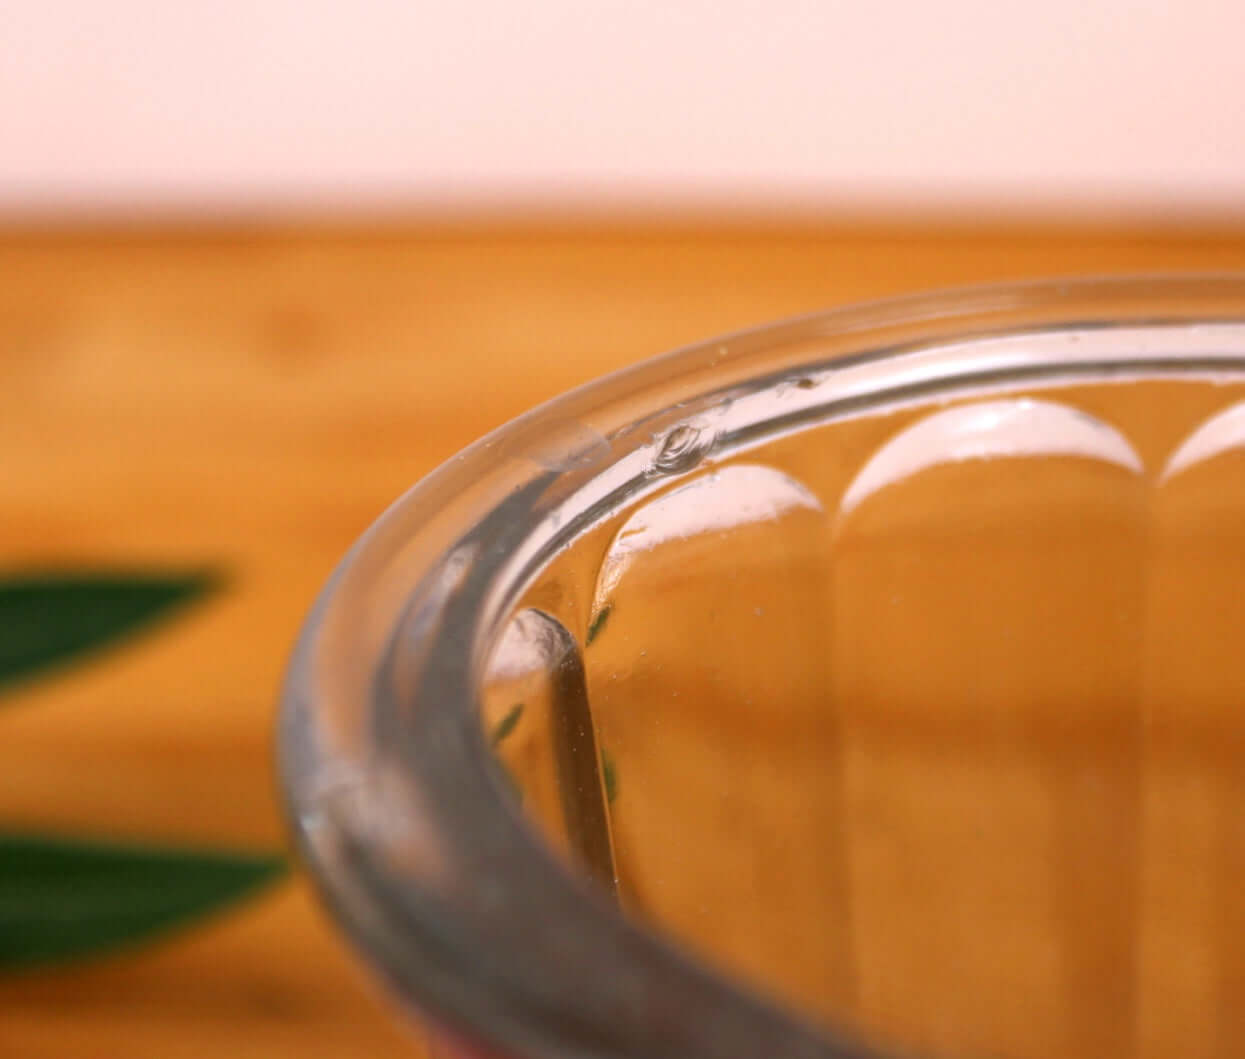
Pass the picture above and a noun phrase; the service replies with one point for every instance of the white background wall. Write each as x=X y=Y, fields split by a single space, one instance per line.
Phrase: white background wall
x=818 y=105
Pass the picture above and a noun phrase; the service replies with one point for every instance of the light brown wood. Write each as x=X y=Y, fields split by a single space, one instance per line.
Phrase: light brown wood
x=252 y=401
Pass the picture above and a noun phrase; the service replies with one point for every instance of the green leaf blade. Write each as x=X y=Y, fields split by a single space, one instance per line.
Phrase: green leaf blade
x=597 y=625
x=63 y=899
x=50 y=619
x=507 y=724
x=609 y=776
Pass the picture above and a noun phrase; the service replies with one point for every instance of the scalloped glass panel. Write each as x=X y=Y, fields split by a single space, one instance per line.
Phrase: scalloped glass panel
x=927 y=720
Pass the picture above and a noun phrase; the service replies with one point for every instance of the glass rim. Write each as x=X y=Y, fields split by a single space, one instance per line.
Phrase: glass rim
x=392 y=795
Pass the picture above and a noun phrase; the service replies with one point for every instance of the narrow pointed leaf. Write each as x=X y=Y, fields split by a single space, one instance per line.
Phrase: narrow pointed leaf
x=507 y=724
x=597 y=625
x=61 y=899
x=609 y=774
x=48 y=619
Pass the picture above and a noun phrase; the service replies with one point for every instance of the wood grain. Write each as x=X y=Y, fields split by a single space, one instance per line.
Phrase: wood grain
x=253 y=400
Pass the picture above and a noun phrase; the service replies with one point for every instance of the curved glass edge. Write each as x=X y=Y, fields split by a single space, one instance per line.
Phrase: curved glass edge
x=392 y=797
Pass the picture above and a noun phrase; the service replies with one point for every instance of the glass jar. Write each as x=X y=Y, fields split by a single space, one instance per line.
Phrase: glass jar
x=864 y=684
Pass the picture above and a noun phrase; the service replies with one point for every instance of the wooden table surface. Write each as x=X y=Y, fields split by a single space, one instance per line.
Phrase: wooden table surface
x=252 y=400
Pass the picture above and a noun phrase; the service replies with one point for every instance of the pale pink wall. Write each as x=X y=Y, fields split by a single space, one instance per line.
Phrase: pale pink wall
x=1131 y=105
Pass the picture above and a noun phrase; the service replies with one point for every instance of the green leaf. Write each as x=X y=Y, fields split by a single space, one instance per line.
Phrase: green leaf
x=609 y=775
x=507 y=724
x=63 y=899
x=597 y=625
x=47 y=619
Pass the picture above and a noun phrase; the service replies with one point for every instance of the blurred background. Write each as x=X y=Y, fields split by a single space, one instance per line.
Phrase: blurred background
x=1112 y=110
x=264 y=264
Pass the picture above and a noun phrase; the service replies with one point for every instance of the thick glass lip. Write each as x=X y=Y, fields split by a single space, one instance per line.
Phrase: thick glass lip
x=391 y=791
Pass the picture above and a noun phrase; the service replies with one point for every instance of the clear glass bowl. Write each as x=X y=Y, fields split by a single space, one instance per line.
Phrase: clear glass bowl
x=866 y=684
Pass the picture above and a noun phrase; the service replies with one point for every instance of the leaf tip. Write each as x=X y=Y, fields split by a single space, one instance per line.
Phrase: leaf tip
x=609 y=777
x=597 y=625
x=508 y=723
